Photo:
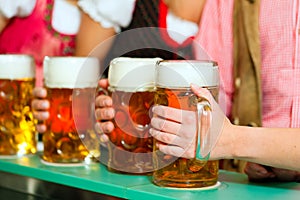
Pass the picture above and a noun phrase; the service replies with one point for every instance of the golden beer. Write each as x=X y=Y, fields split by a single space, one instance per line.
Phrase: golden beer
x=66 y=140
x=182 y=172
x=17 y=126
x=132 y=91
x=171 y=171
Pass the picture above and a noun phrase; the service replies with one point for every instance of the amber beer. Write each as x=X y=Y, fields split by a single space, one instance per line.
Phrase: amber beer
x=66 y=140
x=132 y=90
x=17 y=127
x=173 y=89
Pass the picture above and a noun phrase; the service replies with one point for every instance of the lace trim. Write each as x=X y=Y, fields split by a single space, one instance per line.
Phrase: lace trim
x=68 y=49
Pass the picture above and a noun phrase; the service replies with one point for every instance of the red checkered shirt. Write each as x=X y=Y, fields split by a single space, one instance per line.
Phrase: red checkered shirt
x=279 y=35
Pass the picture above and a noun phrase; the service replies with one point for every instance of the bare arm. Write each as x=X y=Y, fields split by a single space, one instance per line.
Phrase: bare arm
x=190 y=10
x=93 y=39
x=90 y=35
x=276 y=147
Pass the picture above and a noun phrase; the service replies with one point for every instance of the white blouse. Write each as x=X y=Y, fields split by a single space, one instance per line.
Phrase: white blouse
x=65 y=16
x=117 y=14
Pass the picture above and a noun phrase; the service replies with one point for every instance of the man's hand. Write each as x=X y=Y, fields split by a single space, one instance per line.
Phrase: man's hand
x=261 y=173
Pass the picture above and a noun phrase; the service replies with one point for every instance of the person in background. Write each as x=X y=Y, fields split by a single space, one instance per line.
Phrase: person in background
x=258 y=58
x=39 y=28
x=107 y=35
x=221 y=34
x=100 y=23
x=267 y=146
x=251 y=93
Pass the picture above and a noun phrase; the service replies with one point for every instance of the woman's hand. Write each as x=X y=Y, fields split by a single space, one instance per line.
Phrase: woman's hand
x=40 y=106
x=104 y=112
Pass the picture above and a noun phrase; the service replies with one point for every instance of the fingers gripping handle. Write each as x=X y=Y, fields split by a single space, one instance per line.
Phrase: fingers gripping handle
x=204 y=122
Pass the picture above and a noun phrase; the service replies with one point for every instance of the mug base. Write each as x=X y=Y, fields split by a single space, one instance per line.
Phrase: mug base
x=64 y=164
x=191 y=186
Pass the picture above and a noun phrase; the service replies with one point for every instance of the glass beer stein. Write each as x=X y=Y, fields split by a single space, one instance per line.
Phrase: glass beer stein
x=132 y=90
x=173 y=79
x=17 y=127
x=67 y=141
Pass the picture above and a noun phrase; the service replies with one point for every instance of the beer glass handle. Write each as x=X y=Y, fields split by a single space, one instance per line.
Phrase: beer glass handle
x=204 y=121
x=101 y=90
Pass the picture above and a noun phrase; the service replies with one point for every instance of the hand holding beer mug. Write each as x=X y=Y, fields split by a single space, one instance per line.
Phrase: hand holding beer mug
x=17 y=128
x=173 y=80
x=69 y=141
x=131 y=86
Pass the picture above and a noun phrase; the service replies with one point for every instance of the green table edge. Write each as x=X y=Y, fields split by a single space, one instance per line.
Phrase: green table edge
x=96 y=178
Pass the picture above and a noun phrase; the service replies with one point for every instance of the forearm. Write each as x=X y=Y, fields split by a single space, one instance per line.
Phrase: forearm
x=190 y=10
x=91 y=35
x=277 y=147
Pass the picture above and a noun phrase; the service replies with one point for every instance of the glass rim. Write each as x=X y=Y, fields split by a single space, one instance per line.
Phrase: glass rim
x=69 y=57
x=149 y=88
x=214 y=63
x=16 y=55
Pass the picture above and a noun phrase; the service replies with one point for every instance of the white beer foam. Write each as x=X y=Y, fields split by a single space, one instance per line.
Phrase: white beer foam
x=71 y=72
x=181 y=73
x=132 y=74
x=16 y=66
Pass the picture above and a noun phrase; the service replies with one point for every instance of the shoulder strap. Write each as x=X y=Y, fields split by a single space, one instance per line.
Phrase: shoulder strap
x=247 y=98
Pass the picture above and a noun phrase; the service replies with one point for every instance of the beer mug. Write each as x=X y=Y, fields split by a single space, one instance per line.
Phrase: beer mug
x=131 y=87
x=17 y=127
x=173 y=79
x=67 y=141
